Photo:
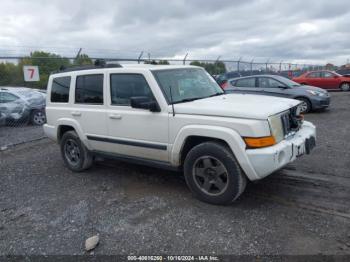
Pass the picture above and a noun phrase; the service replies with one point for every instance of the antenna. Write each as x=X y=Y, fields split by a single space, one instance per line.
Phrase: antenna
x=171 y=100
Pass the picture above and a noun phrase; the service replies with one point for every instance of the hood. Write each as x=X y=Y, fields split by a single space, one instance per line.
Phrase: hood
x=237 y=105
x=313 y=88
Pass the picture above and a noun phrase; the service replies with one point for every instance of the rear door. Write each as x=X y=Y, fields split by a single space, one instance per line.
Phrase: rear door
x=245 y=85
x=89 y=108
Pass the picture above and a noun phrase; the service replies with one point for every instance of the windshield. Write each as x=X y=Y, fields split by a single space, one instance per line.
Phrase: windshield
x=186 y=84
x=287 y=81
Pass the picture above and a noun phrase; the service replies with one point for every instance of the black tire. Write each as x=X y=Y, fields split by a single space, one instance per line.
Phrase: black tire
x=219 y=155
x=72 y=148
x=37 y=117
x=306 y=104
x=345 y=87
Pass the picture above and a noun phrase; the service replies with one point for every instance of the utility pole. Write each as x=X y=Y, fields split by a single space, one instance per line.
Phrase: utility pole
x=238 y=62
x=251 y=66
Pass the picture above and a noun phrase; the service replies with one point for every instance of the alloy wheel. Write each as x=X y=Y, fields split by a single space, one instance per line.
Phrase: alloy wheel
x=72 y=152
x=304 y=107
x=210 y=175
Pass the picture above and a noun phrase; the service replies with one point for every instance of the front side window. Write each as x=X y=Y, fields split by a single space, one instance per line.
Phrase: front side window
x=60 y=89
x=245 y=82
x=89 y=89
x=125 y=86
x=186 y=84
x=7 y=97
x=328 y=75
x=266 y=82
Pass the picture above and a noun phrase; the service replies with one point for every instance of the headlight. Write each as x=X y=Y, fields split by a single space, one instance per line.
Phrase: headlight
x=315 y=93
x=276 y=127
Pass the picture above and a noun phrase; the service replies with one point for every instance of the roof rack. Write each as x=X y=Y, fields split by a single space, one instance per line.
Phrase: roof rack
x=97 y=65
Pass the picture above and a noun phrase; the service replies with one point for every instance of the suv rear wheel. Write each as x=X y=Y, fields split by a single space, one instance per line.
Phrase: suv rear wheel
x=213 y=174
x=75 y=155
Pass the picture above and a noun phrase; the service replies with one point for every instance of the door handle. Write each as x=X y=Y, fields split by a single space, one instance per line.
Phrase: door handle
x=114 y=116
x=76 y=113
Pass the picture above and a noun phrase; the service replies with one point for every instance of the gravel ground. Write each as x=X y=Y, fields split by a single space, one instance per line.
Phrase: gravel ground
x=10 y=136
x=302 y=209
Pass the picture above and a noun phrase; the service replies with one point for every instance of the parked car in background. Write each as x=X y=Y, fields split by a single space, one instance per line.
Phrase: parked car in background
x=273 y=85
x=22 y=105
x=222 y=79
x=324 y=79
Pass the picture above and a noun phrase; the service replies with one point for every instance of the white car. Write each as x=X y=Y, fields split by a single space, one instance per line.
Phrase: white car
x=174 y=117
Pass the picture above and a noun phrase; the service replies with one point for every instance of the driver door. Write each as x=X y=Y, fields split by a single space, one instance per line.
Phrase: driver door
x=329 y=80
x=132 y=131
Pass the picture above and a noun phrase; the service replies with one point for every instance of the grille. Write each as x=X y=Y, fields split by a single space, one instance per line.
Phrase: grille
x=291 y=122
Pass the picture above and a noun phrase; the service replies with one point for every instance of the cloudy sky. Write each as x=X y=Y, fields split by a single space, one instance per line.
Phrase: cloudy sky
x=297 y=31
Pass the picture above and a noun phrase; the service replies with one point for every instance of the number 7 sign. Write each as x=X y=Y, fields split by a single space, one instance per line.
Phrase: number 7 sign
x=31 y=73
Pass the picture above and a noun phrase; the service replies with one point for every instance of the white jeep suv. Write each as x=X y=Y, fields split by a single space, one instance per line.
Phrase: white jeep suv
x=174 y=117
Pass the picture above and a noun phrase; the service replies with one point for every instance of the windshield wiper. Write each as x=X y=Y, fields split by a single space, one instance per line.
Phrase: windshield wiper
x=196 y=98
x=216 y=94
x=187 y=100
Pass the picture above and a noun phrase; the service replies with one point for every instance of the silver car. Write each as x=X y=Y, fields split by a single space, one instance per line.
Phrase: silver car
x=20 y=105
x=313 y=98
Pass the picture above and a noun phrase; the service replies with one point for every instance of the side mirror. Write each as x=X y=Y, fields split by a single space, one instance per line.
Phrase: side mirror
x=335 y=76
x=144 y=102
x=283 y=87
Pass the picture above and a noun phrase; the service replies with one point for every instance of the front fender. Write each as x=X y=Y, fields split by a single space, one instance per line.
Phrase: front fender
x=230 y=136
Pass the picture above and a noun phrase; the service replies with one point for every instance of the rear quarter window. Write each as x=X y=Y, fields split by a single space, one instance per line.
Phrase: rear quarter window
x=60 y=89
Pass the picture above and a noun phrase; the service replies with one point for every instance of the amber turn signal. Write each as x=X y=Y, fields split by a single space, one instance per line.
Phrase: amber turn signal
x=257 y=142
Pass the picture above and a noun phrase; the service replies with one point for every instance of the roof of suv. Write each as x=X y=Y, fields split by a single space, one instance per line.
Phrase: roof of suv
x=122 y=67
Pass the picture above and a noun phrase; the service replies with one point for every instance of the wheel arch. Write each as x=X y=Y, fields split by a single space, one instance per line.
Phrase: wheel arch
x=304 y=97
x=64 y=125
x=63 y=129
x=190 y=136
x=194 y=140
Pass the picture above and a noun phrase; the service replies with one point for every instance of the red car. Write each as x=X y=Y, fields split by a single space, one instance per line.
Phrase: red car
x=324 y=79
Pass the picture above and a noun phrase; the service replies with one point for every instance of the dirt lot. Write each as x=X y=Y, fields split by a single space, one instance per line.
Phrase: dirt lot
x=302 y=209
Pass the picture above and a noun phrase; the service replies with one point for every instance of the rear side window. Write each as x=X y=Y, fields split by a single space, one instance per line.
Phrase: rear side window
x=125 y=86
x=60 y=89
x=245 y=82
x=89 y=89
x=314 y=75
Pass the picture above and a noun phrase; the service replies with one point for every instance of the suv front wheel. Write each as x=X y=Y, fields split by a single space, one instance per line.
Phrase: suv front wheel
x=75 y=155
x=213 y=174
